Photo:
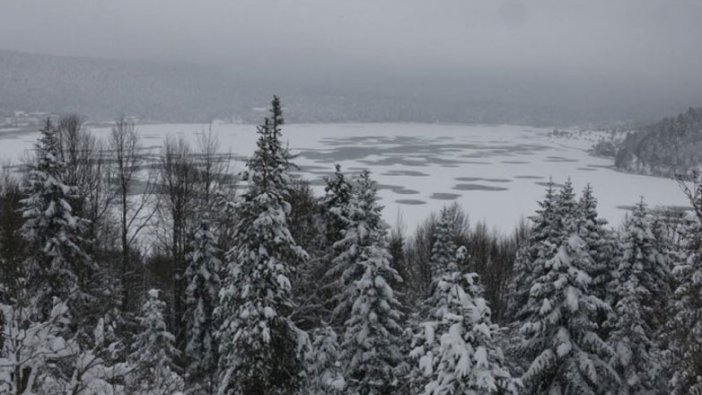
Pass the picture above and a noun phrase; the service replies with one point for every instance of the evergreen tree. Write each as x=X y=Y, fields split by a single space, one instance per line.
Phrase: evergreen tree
x=323 y=365
x=566 y=207
x=685 y=328
x=334 y=204
x=559 y=336
x=601 y=244
x=443 y=250
x=202 y=296
x=456 y=348
x=641 y=289
x=371 y=342
x=537 y=249
x=258 y=341
x=152 y=360
x=57 y=264
x=12 y=245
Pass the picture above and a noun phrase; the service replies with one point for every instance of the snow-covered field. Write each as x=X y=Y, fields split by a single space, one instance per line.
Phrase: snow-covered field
x=496 y=172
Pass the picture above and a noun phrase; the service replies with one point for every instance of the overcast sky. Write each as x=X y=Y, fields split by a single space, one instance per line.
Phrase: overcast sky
x=642 y=46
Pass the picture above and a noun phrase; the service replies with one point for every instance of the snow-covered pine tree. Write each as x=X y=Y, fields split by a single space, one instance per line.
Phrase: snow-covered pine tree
x=57 y=264
x=566 y=206
x=558 y=335
x=641 y=289
x=421 y=325
x=201 y=298
x=456 y=348
x=152 y=358
x=257 y=340
x=443 y=251
x=685 y=333
x=323 y=365
x=334 y=203
x=538 y=248
x=600 y=242
x=12 y=244
x=371 y=342
x=685 y=327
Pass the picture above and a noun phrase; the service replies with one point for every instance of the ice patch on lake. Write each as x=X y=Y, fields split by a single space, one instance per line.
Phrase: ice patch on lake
x=497 y=173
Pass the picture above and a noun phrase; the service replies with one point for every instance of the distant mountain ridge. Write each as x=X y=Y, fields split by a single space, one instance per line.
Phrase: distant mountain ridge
x=103 y=89
x=668 y=147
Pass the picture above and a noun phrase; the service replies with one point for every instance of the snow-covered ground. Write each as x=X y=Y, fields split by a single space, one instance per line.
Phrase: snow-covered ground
x=496 y=172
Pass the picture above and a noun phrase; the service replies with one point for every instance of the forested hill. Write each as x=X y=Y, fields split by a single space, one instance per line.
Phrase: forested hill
x=102 y=89
x=668 y=147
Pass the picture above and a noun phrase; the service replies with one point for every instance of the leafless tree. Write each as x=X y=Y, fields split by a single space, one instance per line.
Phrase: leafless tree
x=88 y=169
x=217 y=185
x=178 y=183
x=134 y=192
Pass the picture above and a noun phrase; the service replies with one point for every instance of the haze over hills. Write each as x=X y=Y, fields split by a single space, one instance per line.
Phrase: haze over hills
x=102 y=89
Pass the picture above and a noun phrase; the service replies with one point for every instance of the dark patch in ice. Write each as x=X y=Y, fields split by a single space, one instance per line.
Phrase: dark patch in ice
x=545 y=184
x=391 y=161
x=477 y=187
x=515 y=162
x=444 y=196
x=657 y=208
x=477 y=163
x=559 y=159
x=370 y=140
x=530 y=177
x=431 y=150
x=310 y=168
x=471 y=179
x=398 y=189
x=408 y=173
x=412 y=202
x=405 y=191
x=586 y=169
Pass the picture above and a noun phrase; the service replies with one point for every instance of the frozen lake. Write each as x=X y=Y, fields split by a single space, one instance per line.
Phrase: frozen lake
x=497 y=173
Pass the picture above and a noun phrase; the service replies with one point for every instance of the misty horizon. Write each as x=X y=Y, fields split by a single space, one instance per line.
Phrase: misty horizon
x=626 y=59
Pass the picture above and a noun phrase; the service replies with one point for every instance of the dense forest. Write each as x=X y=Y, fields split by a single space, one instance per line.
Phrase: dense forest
x=670 y=147
x=122 y=273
